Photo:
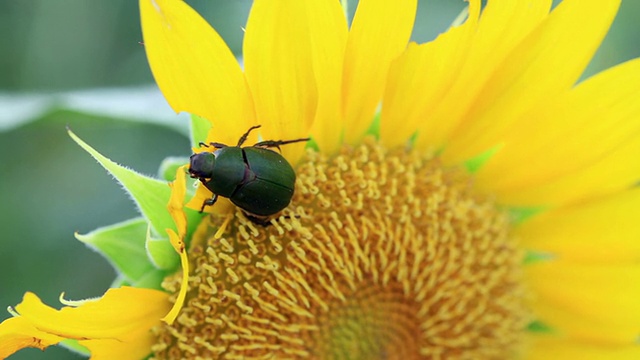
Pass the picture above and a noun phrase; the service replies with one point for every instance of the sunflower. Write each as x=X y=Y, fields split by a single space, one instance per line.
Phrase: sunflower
x=462 y=198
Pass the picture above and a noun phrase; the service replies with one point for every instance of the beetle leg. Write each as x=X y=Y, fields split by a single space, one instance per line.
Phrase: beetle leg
x=213 y=144
x=209 y=202
x=278 y=143
x=243 y=138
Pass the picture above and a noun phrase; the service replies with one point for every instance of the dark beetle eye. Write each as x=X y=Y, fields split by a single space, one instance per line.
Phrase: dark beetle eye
x=201 y=165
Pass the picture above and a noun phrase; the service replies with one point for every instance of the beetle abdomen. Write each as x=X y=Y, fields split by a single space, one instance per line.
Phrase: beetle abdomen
x=262 y=197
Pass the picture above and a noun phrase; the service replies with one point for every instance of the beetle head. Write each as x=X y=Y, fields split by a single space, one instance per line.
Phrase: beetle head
x=201 y=165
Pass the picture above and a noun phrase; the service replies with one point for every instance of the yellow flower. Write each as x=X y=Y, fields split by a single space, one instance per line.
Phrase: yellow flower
x=391 y=248
x=464 y=198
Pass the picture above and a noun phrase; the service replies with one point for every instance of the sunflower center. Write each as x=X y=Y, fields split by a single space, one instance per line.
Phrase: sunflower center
x=382 y=254
x=374 y=322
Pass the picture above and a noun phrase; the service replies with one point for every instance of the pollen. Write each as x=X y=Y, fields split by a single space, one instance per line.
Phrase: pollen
x=382 y=254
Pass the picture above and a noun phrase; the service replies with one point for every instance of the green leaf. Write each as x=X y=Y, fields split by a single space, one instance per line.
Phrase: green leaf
x=150 y=195
x=74 y=346
x=144 y=104
x=123 y=244
x=199 y=129
x=161 y=252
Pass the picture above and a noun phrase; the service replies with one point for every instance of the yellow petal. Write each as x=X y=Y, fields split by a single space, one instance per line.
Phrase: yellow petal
x=546 y=63
x=194 y=68
x=598 y=303
x=18 y=333
x=420 y=77
x=602 y=231
x=279 y=70
x=119 y=312
x=222 y=206
x=583 y=143
x=615 y=173
x=545 y=347
x=136 y=346
x=178 y=244
x=176 y=201
x=328 y=35
x=202 y=194
x=123 y=316
x=176 y=208
x=379 y=33
x=569 y=133
x=502 y=26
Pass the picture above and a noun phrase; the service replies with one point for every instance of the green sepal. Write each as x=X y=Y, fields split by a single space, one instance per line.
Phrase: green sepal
x=120 y=281
x=161 y=252
x=474 y=164
x=152 y=280
x=374 y=127
x=519 y=215
x=123 y=244
x=169 y=166
x=313 y=145
x=411 y=143
x=531 y=257
x=150 y=195
x=199 y=130
x=538 y=326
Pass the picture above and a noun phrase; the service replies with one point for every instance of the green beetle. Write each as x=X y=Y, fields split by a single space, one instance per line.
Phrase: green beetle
x=255 y=178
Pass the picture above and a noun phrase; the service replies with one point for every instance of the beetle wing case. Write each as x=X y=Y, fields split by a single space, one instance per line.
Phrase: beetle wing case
x=270 y=166
x=272 y=188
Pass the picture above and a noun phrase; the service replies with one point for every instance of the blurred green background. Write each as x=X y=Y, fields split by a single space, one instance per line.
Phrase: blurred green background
x=52 y=53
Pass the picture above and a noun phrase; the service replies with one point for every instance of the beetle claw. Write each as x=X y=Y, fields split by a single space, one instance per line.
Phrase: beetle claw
x=209 y=202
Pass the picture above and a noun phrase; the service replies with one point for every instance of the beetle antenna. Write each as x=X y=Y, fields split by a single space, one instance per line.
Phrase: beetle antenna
x=243 y=138
x=213 y=144
x=278 y=143
x=217 y=145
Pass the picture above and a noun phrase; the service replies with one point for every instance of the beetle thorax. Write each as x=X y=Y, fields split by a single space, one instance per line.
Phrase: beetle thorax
x=228 y=172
